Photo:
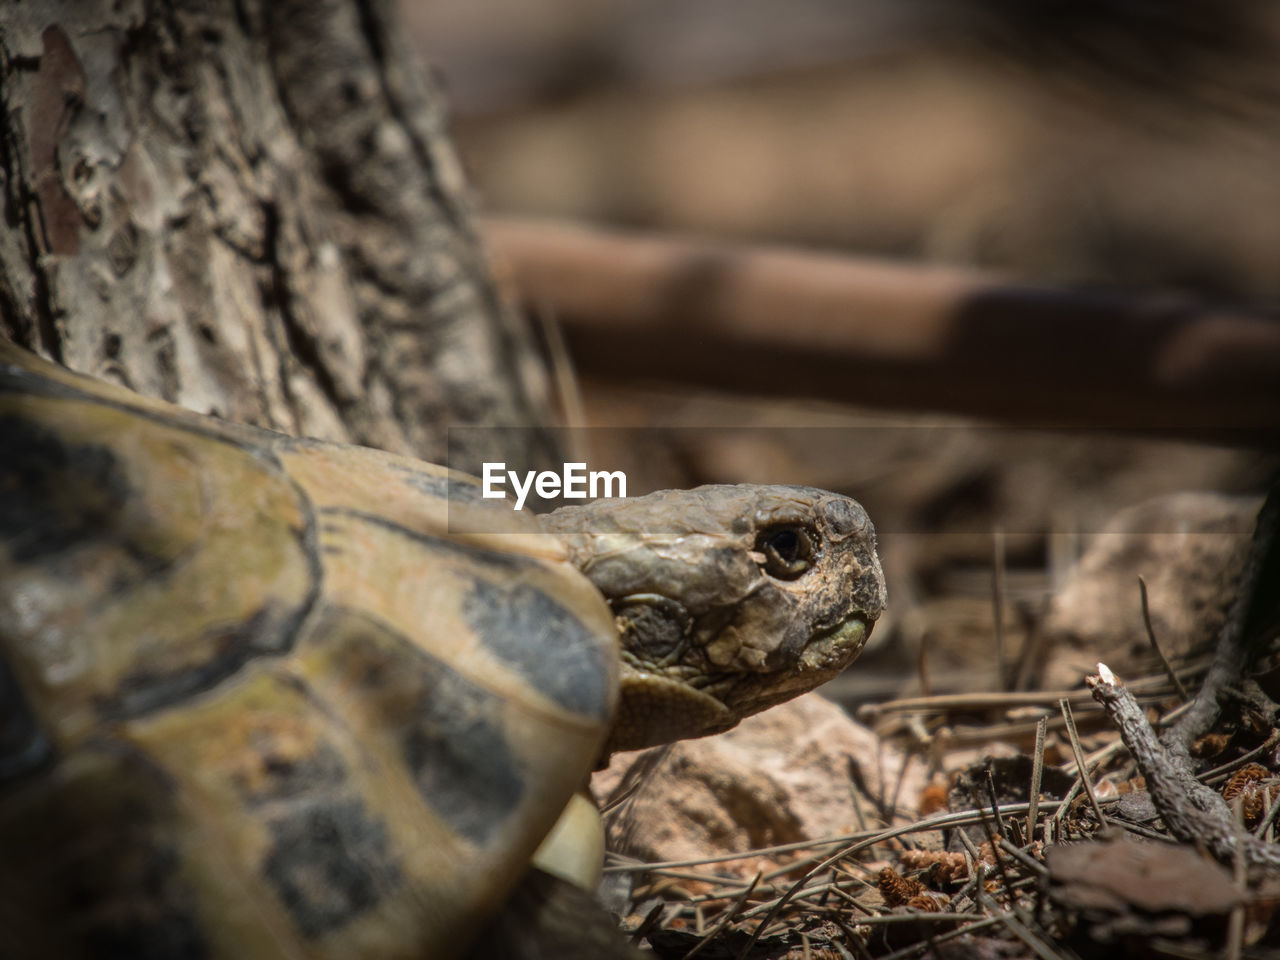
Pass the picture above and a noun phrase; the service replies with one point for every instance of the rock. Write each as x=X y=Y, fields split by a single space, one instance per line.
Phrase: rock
x=780 y=776
x=1154 y=878
x=1188 y=547
x=1114 y=897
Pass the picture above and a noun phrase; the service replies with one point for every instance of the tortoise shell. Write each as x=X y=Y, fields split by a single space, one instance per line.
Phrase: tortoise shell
x=255 y=699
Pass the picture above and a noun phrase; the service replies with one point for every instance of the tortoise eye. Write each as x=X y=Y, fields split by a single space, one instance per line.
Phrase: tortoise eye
x=788 y=551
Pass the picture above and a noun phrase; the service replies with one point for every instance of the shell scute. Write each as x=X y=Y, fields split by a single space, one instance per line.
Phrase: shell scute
x=261 y=647
x=448 y=733
x=102 y=878
x=328 y=863
x=118 y=532
x=542 y=639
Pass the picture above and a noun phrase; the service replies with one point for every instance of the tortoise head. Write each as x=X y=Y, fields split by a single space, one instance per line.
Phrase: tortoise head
x=727 y=599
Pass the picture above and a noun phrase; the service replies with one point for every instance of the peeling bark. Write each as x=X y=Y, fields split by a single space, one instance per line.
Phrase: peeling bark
x=252 y=209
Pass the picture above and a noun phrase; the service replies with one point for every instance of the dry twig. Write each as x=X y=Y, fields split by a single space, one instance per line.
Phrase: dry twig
x=1193 y=812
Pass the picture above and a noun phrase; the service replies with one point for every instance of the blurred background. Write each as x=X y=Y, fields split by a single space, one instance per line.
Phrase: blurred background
x=1126 y=144
x=1127 y=141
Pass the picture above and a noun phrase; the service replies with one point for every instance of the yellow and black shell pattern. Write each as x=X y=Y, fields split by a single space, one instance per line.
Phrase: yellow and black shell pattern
x=256 y=699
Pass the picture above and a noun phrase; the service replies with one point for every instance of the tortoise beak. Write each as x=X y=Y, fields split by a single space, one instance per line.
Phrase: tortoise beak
x=835 y=649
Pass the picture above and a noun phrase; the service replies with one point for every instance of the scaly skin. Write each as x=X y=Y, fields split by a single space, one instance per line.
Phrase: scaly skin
x=715 y=624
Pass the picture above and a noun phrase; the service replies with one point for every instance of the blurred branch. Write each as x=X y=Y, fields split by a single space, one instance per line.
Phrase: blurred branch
x=896 y=335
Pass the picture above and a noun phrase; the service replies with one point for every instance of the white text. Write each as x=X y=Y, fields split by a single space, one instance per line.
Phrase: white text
x=572 y=483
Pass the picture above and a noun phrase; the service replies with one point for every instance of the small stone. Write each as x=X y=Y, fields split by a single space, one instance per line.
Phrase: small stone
x=780 y=776
x=1154 y=878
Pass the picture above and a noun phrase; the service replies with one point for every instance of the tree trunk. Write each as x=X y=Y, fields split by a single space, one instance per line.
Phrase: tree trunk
x=252 y=208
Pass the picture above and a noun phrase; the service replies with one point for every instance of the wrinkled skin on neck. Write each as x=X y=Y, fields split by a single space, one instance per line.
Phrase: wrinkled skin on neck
x=728 y=599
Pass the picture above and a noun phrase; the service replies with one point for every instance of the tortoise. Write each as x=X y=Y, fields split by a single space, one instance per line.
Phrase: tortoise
x=263 y=696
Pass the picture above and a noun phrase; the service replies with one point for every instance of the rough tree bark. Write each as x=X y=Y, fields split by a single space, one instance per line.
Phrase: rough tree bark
x=252 y=208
